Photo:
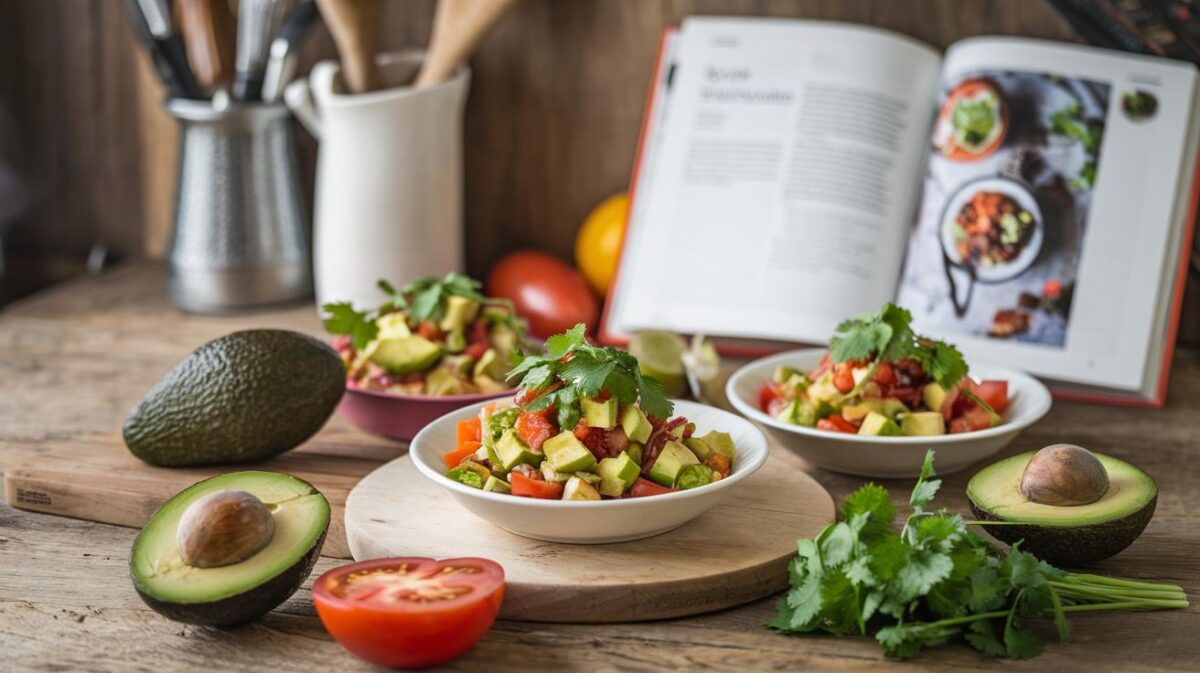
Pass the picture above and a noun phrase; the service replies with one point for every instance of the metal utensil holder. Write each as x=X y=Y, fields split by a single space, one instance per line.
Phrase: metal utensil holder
x=240 y=237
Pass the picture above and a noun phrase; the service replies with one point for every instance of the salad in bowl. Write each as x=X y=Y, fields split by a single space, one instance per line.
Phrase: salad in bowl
x=433 y=336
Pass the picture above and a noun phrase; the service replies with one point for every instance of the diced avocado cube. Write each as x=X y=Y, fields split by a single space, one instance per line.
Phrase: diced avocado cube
x=496 y=485
x=599 y=414
x=679 y=431
x=799 y=412
x=590 y=477
x=443 y=382
x=617 y=475
x=635 y=452
x=455 y=341
x=923 y=423
x=934 y=396
x=551 y=474
x=888 y=406
x=879 y=425
x=459 y=364
x=823 y=389
x=891 y=407
x=466 y=477
x=673 y=458
x=405 y=355
x=692 y=476
x=783 y=373
x=635 y=424
x=484 y=363
x=513 y=452
x=566 y=453
x=698 y=447
x=393 y=325
x=797 y=383
x=721 y=442
x=578 y=489
x=460 y=311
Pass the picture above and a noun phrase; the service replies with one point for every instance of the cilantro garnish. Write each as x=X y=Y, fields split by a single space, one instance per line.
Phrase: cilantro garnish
x=888 y=337
x=423 y=299
x=935 y=581
x=584 y=370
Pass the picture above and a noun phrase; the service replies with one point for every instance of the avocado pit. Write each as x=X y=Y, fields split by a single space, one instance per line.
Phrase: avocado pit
x=1064 y=475
x=223 y=528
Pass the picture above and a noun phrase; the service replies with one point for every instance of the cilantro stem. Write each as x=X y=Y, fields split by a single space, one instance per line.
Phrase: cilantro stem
x=1118 y=582
x=1143 y=604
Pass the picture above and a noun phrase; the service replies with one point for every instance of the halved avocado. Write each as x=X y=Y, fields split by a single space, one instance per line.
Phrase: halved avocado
x=239 y=592
x=1067 y=535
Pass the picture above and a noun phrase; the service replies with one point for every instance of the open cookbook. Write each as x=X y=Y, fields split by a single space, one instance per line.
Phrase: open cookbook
x=1028 y=201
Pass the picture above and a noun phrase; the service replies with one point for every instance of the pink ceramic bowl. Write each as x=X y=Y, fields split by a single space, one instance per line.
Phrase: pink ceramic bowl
x=400 y=416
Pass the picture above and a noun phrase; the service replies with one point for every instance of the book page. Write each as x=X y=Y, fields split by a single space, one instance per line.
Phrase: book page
x=1050 y=207
x=777 y=196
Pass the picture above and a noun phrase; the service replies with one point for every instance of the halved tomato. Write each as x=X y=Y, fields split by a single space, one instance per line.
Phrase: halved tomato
x=410 y=612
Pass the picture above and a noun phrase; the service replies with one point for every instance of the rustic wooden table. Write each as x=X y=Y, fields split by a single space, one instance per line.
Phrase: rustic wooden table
x=74 y=359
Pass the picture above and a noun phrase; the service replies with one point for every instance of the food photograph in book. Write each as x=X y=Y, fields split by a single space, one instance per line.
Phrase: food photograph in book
x=999 y=233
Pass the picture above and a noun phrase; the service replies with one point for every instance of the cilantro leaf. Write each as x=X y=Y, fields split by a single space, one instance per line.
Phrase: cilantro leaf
x=653 y=396
x=560 y=344
x=888 y=337
x=341 y=318
x=982 y=636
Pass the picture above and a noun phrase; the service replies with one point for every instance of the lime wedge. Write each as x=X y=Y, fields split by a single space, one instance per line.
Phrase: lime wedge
x=660 y=354
x=703 y=366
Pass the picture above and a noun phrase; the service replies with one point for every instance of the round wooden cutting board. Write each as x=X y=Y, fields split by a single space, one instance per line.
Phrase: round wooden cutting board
x=736 y=552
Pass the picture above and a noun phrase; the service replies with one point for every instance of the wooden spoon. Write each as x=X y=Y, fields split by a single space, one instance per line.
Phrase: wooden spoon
x=208 y=28
x=457 y=29
x=354 y=26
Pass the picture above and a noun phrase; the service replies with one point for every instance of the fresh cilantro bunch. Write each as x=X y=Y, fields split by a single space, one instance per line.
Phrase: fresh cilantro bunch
x=935 y=580
x=888 y=337
x=584 y=370
x=424 y=299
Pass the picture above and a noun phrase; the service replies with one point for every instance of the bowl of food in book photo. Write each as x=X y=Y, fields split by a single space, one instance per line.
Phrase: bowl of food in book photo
x=994 y=227
x=972 y=121
x=872 y=403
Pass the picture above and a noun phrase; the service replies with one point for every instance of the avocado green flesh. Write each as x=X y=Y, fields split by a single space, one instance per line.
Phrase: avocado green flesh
x=995 y=490
x=301 y=518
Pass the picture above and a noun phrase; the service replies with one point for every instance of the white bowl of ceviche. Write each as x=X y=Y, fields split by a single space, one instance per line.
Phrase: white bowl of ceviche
x=887 y=456
x=608 y=519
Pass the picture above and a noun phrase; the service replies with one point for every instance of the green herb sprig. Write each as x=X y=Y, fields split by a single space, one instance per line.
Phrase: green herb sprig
x=585 y=370
x=888 y=337
x=935 y=580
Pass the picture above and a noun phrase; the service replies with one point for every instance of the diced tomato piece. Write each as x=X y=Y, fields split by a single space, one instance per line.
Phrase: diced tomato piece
x=604 y=395
x=456 y=456
x=776 y=406
x=768 y=394
x=534 y=488
x=719 y=463
x=971 y=419
x=825 y=365
x=835 y=423
x=884 y=374
x=429 y=330
x=535 y=427
x=478 y=332
x=525 y=395
x=644 y=487
x=469 y=430
x=994 y=394
x=843 y=378
x=476 y=350
x=581 y=430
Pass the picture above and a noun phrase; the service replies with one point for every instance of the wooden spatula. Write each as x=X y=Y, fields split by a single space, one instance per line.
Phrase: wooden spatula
x=354 y=26
x=208 y=28
x=458 y=27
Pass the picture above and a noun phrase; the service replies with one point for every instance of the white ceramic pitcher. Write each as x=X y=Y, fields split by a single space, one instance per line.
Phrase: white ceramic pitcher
x=389 y=178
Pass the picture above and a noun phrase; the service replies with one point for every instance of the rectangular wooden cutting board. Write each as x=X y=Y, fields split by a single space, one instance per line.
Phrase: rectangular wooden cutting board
x=99 y=480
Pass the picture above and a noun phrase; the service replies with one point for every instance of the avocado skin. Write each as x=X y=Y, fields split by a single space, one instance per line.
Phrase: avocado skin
x=1072 y=546
x=240 y=398
x=240 y=608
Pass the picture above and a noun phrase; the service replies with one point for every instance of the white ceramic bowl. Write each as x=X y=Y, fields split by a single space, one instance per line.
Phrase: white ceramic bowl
x=593 y=522
x=888 y=457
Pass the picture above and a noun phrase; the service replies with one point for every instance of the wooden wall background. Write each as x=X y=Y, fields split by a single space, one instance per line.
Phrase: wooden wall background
x=551 y=125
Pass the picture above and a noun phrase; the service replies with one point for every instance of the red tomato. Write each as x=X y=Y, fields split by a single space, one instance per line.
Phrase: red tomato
x=826 y=365
x=971 y=419
x=644 y=487
x=843 y=378
x=453 y=458
x=535 y=427
x=884 y=374
x=547 y=292
x=429 y=330
x=835 y=423
x=469 y=430
x=768 y=393
x=534 y=488
x=409 y=612
x=994 y=394
x=476 y=350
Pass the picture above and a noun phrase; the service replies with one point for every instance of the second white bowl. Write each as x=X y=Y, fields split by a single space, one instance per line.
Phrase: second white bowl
x=888 y=457
x=593 y=522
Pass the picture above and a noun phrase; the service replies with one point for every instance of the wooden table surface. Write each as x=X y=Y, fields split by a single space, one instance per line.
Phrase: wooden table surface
x=74 y=359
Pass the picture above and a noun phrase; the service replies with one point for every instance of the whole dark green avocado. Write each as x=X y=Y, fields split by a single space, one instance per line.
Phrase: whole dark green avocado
x=242 y=397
